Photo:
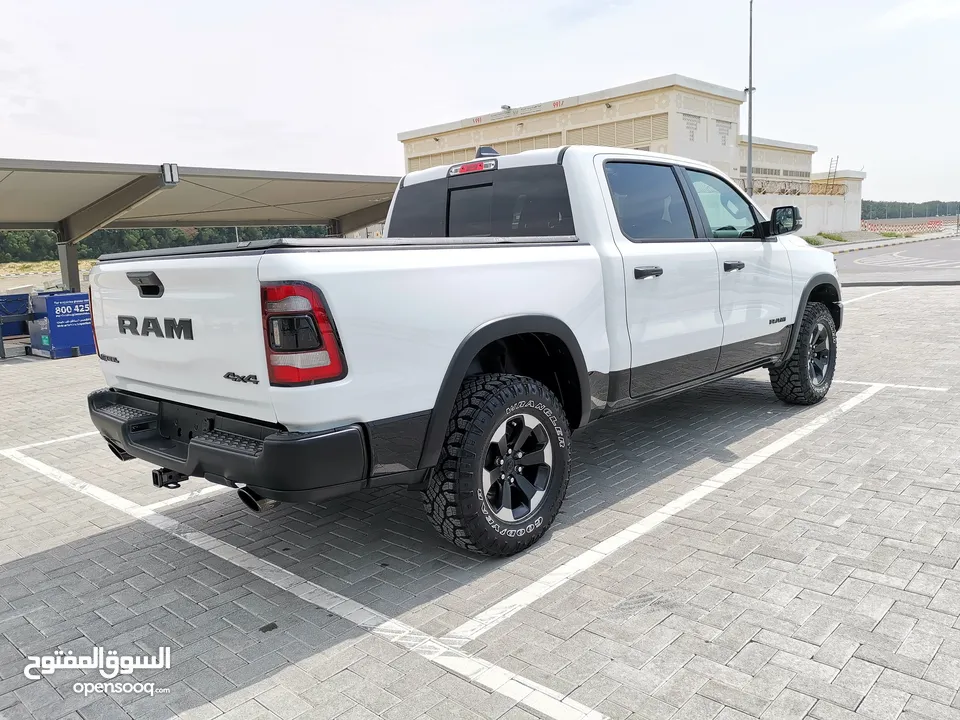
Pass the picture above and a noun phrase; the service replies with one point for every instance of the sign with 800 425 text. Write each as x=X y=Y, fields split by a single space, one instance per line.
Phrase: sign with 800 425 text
x=63 y=325
x=70 y=314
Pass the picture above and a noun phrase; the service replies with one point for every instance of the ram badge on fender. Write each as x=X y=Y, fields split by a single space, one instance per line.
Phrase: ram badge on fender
x=513 y=300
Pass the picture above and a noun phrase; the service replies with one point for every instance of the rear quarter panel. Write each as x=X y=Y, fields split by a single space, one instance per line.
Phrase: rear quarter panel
x=402 y=314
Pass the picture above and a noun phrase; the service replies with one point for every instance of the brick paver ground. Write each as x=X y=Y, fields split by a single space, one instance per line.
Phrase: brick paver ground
x=821 y=583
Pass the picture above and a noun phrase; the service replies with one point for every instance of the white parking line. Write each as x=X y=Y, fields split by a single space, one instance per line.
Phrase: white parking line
x=510 y=606
x=891 y=385
x=193 y=495
x=869 y=295
x=492 y=677
x=68 y=438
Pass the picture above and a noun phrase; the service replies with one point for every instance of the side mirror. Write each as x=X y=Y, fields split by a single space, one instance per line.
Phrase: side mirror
x=785 y=220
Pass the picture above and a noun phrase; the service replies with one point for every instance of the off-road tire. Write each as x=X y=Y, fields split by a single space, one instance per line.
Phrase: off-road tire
x=792 y=381
x=454 y=497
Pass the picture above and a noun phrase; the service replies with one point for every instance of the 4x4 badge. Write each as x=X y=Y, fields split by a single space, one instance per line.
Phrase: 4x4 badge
x=242 y=378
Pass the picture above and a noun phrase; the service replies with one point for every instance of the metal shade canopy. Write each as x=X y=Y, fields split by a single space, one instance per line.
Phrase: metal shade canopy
x=75 y=199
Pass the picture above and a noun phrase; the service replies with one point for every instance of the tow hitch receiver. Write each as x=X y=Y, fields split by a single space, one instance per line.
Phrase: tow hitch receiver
x=162 y=477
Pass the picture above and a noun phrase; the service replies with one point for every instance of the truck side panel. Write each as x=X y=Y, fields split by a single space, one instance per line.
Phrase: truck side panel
x=402 y=314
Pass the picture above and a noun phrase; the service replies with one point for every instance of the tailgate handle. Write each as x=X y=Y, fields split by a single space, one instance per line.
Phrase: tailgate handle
x=147 y=283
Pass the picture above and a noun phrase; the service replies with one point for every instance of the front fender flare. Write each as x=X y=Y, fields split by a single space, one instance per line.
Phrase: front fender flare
x=814 y=282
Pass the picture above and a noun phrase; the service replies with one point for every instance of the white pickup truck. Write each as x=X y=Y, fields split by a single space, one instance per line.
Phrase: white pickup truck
x=514 y=299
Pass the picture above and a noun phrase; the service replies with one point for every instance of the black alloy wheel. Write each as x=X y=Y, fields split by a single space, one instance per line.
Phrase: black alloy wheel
x=517 y=468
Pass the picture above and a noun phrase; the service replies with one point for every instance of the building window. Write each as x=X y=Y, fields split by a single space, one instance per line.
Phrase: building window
x=693 y=126
x=622 y=133
x=769 y=172
x=723 y=130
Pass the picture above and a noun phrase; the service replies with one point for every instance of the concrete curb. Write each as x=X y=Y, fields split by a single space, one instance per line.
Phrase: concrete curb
x=905 y=241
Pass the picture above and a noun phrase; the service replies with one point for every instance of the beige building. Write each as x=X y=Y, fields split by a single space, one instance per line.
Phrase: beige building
x=775 y=161
x=674 y=114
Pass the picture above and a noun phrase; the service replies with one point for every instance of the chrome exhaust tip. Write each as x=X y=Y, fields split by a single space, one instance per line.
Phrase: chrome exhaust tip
x=254 y=502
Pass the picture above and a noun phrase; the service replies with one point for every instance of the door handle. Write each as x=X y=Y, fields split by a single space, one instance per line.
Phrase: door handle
x=645 y=272
x=731 y=265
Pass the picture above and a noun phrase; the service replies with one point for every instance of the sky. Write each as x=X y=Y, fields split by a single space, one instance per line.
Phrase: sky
x=326 y=85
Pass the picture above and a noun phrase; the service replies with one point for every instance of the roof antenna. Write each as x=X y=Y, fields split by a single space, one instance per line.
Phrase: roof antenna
x=486 y=151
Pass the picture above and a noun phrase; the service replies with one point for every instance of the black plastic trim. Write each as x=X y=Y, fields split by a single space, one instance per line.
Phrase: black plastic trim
x=700 y=223
x=144 y=280
x=619 y=400
x=813 y=283
x=653 y=377
x=227 y=248
x=396 y=443
x=413 y=479
x=263 y=247
x=747 y=351
x=563 y=151
x=280 y=465
x=306 y=464
x=467 y=352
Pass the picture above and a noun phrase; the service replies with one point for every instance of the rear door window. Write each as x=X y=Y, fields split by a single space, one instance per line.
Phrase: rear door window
x=648 y=202
x=528 y=201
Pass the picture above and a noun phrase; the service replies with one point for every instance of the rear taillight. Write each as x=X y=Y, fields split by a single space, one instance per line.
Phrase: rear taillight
x=299 y=335
x=93 y=325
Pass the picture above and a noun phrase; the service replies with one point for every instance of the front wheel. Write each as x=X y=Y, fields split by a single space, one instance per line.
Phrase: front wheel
x=807 y=375
x=504 y=467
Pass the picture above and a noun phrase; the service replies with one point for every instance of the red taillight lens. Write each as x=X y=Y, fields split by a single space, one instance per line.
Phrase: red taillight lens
x=472 y=167
x=93 y=325
x=299 y=336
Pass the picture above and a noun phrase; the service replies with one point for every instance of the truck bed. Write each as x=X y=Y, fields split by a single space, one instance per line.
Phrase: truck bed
x=334 y=243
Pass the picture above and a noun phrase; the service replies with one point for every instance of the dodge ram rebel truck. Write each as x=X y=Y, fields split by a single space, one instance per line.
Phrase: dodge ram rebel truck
x=513 y=300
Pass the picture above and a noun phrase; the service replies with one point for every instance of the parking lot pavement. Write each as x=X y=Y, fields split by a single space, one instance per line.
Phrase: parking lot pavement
x=719 y=555
x=930 y=261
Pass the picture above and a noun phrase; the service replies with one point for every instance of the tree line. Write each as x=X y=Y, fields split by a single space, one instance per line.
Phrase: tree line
x=882 y=209
x=29 y=245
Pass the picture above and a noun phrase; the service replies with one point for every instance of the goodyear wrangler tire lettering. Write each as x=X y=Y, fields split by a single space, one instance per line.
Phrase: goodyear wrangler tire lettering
x=466 y=496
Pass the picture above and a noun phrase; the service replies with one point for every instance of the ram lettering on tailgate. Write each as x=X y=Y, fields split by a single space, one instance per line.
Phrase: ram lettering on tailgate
x=171 y=328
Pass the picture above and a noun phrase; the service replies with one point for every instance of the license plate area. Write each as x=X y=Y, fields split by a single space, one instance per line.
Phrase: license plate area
x=181 y=424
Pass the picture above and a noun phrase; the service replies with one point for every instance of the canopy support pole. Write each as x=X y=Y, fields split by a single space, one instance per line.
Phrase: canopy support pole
x=74 y=228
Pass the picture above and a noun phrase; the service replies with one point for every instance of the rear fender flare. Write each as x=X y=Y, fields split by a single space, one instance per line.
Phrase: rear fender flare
x=468 y=350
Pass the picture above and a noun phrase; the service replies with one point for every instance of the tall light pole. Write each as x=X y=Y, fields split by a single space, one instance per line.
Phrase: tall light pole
x=750 y=110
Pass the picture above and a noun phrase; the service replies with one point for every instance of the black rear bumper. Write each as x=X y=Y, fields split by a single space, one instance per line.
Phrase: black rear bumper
x=280 y=465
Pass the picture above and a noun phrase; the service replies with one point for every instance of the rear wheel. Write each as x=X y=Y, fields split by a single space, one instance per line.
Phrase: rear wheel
x=807 y=375
x=504 y=467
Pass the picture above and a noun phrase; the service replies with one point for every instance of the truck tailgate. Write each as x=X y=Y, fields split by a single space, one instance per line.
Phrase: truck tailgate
x=187 y=330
